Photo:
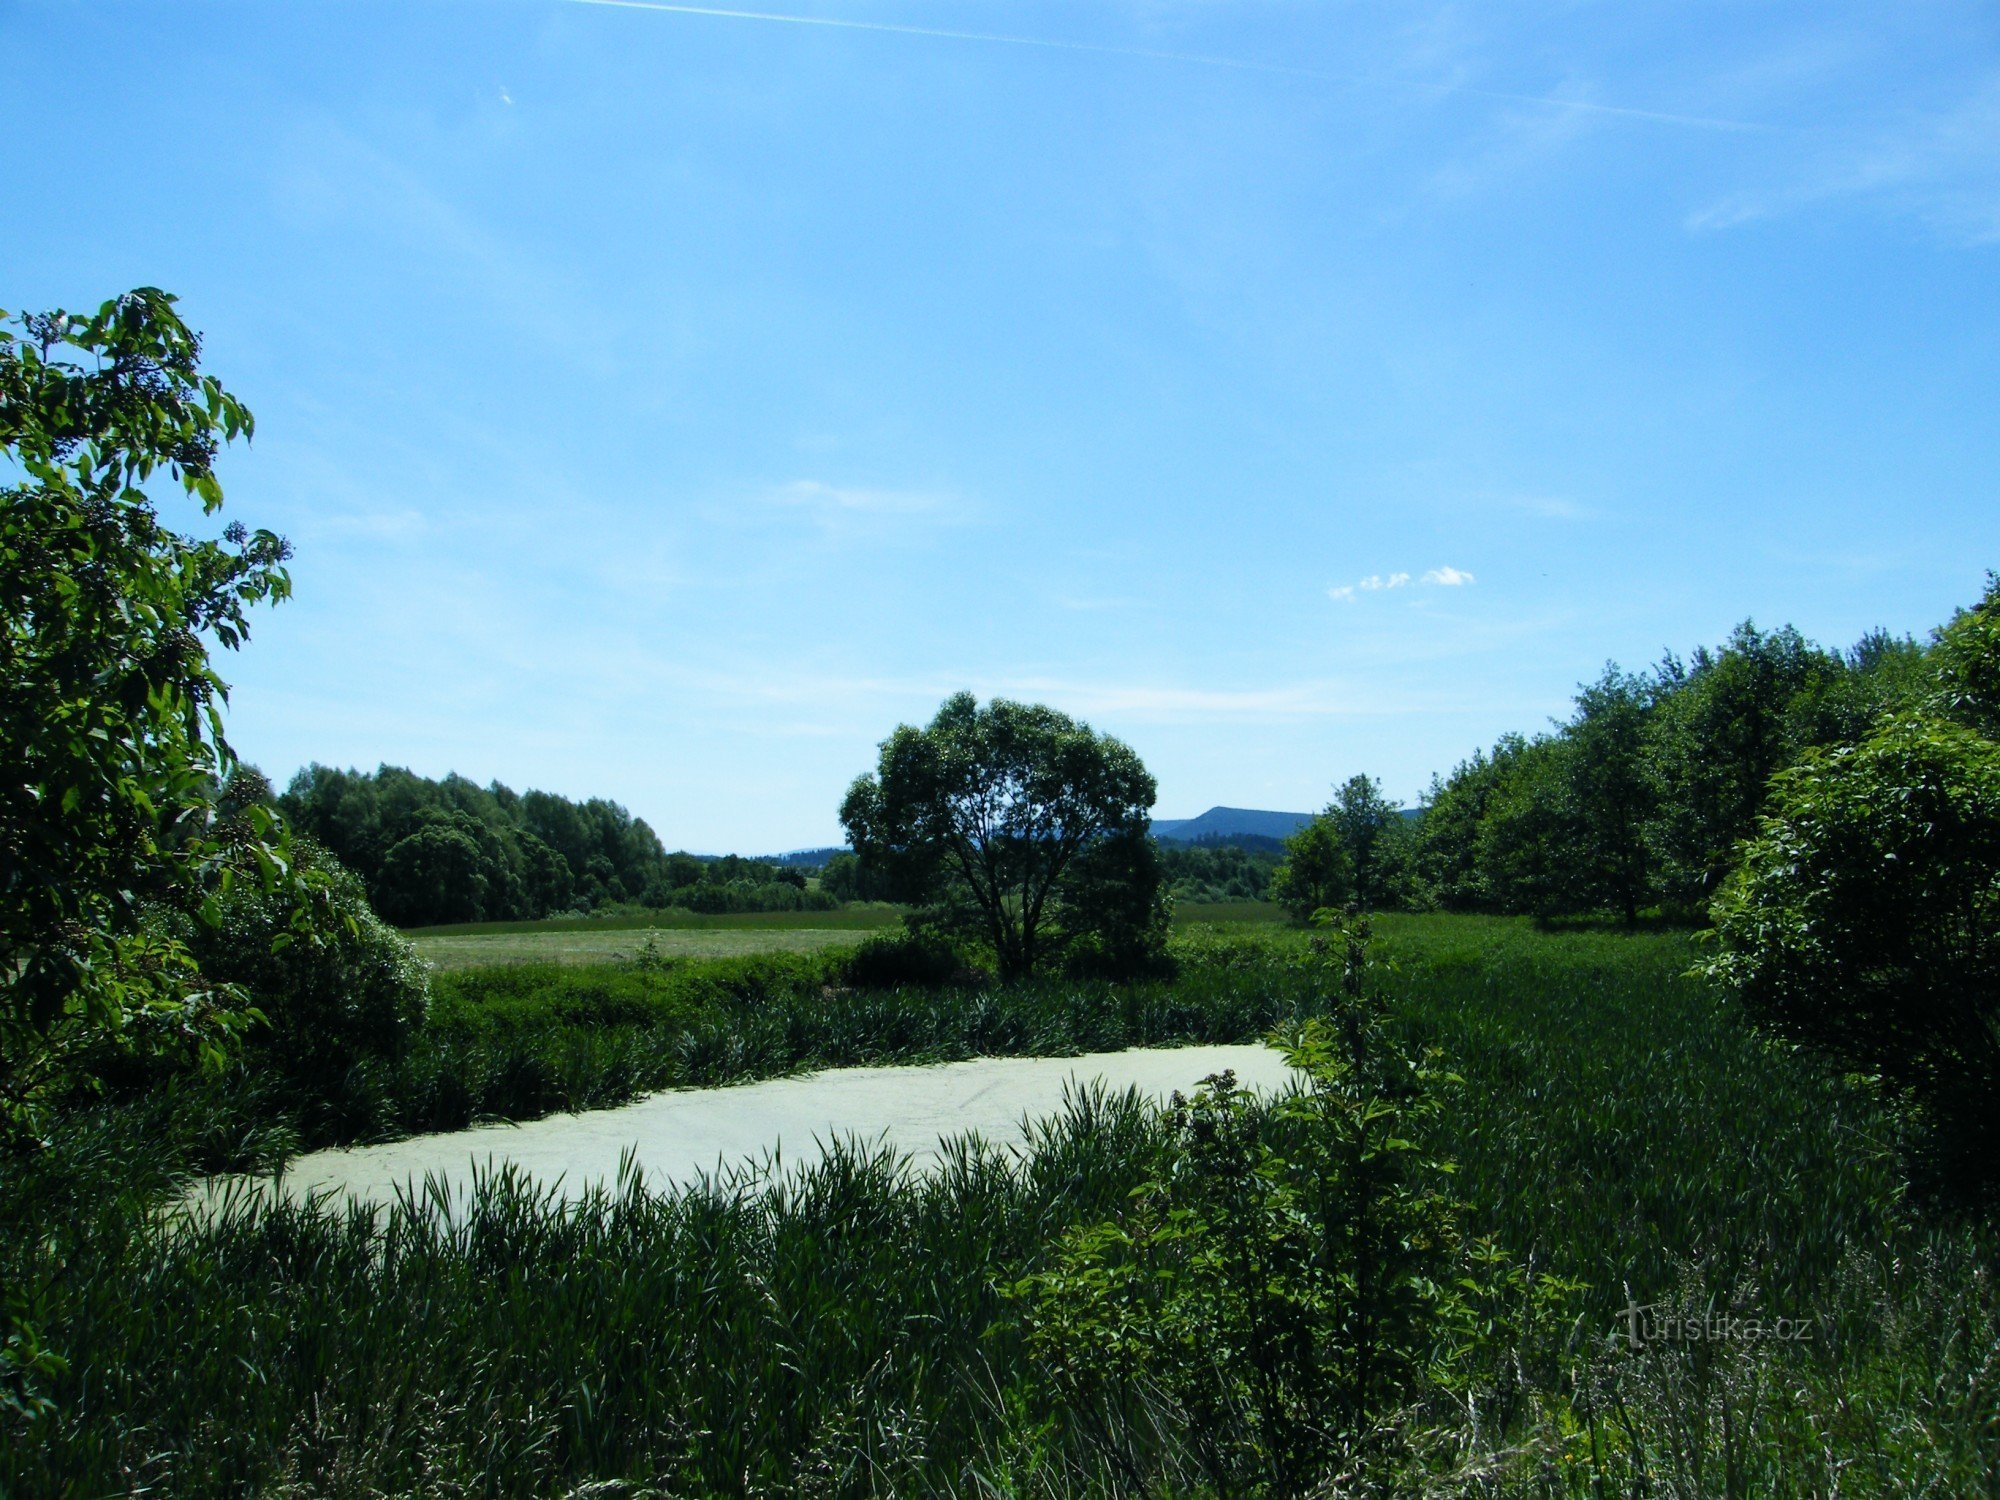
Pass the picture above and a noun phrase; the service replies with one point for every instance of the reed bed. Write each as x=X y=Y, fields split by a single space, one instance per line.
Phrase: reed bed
x=519 y=1041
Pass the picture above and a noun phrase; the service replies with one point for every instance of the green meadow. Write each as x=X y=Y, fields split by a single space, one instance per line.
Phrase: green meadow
x=688 y=935
x=1618 y=1134
x=581 y=943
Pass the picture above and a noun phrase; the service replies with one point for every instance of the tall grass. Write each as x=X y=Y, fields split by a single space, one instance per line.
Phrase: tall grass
x=519 y=1041
x=1616 y=1124
x=841 y=1329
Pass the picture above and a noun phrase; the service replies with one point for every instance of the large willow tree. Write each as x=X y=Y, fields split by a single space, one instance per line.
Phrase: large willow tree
x=1020 y=826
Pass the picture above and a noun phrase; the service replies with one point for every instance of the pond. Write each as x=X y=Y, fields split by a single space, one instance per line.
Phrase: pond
x=680 y=1134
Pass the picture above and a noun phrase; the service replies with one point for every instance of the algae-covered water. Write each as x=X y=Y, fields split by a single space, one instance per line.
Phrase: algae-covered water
x=680 y=1134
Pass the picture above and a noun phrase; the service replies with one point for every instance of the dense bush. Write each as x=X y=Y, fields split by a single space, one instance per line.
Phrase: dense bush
x=1865 y=920
x=1864 y=917
x=891 y=960
x=336 y=987
x=1964 y=684
x=711 y=897
x=1287 y=1277
x=111 y=744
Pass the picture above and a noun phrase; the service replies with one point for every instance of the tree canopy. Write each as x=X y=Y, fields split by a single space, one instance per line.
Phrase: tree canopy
x=1358 y=851
x=432 y=852
x=1643 y=795
x=1016 y=824
x=111 y=735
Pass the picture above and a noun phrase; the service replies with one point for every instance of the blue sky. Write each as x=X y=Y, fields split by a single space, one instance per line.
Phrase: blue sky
x=665 y=406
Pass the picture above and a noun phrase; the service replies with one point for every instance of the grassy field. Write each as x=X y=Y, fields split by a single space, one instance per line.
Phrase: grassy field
x=614 y=939
x=1615 y=1123
x=1228 y=913
x=580 y=943
x=865 y=916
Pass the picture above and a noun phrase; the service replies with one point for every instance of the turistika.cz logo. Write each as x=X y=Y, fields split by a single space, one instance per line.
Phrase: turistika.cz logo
x=1661 y=1323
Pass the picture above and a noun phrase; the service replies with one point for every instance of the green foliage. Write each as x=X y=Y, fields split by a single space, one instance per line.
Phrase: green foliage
x=1610 y=791
x=334 y=986
x=1554 y=825
x=1865 y=920
x=850 y=1336
x=434 y=876
x=1317 y=873
x=1360 y=851
x=26 y=1365
x=1887 y=674
x=893 y=960
x=1533 y=838
x=1283 y=1284
x=110 y=723
x=1643 y=794
x=1721 y=730
x=1366 y=823
x=844 y=879
x=716 y=887
x=1966 y=660
x=1002 y=823
x=433 y=853
x=1210 y=872
x=1446 y=856
x=1116 y=909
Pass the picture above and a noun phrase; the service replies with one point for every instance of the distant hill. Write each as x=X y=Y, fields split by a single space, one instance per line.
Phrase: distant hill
x=1236 y=827
x=1220 y=825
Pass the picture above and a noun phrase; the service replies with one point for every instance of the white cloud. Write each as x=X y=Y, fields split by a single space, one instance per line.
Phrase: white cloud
x=1377 y=583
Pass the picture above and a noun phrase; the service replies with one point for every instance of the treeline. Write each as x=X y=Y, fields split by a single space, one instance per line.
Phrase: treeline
x=1636 y=802
x=436 y=852
x=1640 y=798
x=1219 y=869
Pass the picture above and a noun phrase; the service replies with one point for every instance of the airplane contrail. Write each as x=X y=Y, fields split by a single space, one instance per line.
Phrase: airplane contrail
x=1242 y=65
